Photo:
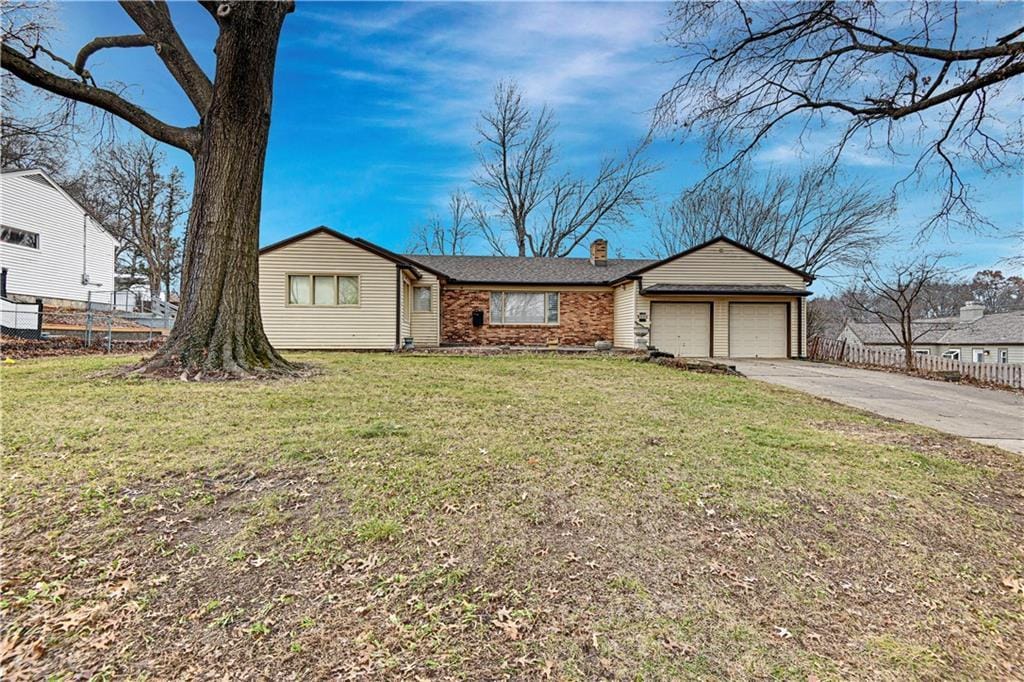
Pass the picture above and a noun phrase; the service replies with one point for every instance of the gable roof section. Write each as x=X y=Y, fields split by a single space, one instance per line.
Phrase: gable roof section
x=722 y=238
x=991 y=328
x=41 y=177
x=536 y=270
x=354 y=241
x=522 y=270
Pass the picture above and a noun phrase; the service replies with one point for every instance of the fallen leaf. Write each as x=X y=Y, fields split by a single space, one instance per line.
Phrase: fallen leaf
x=1015 y=584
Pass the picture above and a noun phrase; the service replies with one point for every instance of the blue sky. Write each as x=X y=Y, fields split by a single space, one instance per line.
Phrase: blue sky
x=375 y=105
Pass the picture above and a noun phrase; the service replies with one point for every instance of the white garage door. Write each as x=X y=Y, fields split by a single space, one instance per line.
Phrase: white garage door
x=757 y=330
x=683 y=329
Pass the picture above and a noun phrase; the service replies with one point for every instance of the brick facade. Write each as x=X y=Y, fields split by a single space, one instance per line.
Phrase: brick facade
x=585 y=317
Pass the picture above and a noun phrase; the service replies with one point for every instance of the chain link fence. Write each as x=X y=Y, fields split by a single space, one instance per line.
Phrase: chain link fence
x=106 y=319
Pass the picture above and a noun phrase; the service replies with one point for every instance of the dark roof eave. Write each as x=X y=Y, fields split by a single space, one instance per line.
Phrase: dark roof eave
x=723 y=292
x=521 y=283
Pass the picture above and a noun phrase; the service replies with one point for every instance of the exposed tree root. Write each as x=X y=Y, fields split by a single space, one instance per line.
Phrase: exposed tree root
x=231 y=361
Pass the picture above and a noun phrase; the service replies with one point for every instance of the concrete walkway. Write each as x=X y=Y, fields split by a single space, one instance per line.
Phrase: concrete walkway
x=989 y=416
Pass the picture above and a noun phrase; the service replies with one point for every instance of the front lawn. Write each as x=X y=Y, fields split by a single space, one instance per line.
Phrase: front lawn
x=521 y=517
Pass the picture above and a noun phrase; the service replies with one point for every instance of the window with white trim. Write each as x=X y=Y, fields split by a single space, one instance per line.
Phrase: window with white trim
x=524 y=307
x=952 y=354
x=922 y=351
x=421 y=299
x=18 y=237
x=323 y=290
x=1004 y=356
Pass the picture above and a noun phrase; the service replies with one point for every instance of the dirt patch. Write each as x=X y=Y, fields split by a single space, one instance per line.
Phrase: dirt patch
x=18 y=349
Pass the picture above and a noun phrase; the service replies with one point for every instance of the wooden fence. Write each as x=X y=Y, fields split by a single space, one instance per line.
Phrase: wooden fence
x=833 y=350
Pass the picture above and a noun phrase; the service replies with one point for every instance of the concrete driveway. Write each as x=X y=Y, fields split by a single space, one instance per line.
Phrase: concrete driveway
x=987 y=416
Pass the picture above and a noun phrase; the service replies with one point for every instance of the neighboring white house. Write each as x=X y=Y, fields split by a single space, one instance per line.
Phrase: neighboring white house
x=973 y=336
x=50 y=248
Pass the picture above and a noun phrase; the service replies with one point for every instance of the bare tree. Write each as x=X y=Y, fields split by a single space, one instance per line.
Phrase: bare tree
x=519 y=181
x=897 y=296
x=146 y=209
x=876 y=74
x=40 y=140
x=446 y=237
x=218 y=327
x=812 y=222
x=516 y=157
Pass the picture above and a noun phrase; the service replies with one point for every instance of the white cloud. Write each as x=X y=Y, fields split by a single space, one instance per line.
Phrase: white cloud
x=364 y=76
x=591 y=62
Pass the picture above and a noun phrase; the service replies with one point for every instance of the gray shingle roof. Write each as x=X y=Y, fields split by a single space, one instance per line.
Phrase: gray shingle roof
x=765 y=289
x=528 y=270
x=991 y=328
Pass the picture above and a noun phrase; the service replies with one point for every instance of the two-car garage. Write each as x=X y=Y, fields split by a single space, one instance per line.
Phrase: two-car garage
x=744 y=329
x=719 y=299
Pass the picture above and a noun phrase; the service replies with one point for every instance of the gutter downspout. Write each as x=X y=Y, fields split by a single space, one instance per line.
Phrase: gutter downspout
x=799 y=327
x=398 y=307
x=85 y=235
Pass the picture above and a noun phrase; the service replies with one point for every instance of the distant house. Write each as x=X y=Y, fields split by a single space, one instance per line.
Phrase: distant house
x=974 y=335
x=50 y=248
x=323 y=289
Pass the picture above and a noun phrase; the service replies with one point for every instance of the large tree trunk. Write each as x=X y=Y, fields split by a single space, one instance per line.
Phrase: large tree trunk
x=218 y=327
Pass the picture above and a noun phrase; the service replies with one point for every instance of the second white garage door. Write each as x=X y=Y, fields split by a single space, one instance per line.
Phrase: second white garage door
x=683 y=329
x=757 y=330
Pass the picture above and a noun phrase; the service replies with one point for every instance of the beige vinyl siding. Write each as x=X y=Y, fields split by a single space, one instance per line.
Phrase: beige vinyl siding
x=625 y=315
x=721 y=263
x=425 y=326
x=721 y=316
x=369 y=325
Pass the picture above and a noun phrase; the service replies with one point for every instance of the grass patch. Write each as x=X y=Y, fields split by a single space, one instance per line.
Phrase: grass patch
x=506 y=516
x=378 y=530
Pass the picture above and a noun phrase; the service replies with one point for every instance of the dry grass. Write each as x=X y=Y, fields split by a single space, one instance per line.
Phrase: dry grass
x=521 y=517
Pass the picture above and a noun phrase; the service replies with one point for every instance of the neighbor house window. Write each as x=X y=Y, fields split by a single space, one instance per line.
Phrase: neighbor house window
x=952 y=354
x=1004 y=356
x=12 y=235
x=524 y=307
x=922 y=351
x=325 y=290
x=978 y=354
x=421 y=299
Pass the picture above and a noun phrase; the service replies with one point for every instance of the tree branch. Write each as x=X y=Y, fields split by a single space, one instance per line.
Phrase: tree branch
x=26 y=70
x=154 y=19
x=97 y=44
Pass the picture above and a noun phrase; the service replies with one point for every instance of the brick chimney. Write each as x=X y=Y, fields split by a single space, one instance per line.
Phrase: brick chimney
x=599 y=252
x=971 y=311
